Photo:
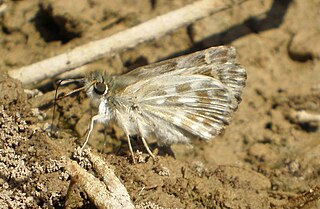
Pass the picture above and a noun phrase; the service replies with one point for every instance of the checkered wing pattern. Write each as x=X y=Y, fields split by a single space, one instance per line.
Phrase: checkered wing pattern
x=193 y=95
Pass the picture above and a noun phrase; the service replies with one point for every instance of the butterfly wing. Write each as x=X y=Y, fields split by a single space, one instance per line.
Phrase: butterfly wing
x=193 y=94
x=216 y=62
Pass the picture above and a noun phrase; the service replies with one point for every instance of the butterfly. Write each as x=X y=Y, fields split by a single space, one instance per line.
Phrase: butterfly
x=173 y=101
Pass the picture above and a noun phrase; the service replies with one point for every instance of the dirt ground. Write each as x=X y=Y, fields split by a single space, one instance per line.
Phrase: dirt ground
x=267 y=157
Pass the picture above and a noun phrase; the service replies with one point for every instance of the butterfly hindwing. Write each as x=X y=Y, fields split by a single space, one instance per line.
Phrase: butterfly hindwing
x=197 y=104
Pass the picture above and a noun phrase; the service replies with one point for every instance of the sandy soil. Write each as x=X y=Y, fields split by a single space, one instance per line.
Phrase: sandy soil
x=266 y=158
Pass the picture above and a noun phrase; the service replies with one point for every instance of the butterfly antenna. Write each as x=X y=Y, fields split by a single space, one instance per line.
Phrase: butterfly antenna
x=57 y=97
x=58 y=83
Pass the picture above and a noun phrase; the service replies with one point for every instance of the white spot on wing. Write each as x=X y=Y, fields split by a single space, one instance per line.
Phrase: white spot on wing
x=177 y=120
x=207 y=135
x=207 y=58
x=160 y=101
x=170 y=91
x=195 y=126
x=196 y=85
x=187 y=100
x=200 y=119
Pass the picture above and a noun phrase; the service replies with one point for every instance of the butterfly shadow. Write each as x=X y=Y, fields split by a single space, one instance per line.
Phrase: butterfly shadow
x=137 y=144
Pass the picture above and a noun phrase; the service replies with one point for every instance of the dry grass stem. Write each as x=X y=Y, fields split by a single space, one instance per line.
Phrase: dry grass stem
x=150 y=30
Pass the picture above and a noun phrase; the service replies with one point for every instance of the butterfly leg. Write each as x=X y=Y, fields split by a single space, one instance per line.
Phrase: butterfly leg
x=131 y=150
x=147 y=148
x=142 y=129
x=93 y=120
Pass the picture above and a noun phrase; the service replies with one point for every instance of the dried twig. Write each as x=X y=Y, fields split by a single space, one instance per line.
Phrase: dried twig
x=3 y=7
x=116 y=43
x=305 y=117
x=108 y=193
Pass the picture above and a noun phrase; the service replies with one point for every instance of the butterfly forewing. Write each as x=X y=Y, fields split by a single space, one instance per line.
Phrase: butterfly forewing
x=215 y=62
x=193 y=94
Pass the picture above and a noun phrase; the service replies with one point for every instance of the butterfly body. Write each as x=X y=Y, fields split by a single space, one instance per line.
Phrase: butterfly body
x=173 y=100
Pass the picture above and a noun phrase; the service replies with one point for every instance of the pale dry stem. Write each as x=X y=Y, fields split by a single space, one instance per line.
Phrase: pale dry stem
x=150 y=30
x=108 y=193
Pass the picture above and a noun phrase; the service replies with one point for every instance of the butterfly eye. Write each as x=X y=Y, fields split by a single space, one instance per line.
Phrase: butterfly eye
x=100 y=88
